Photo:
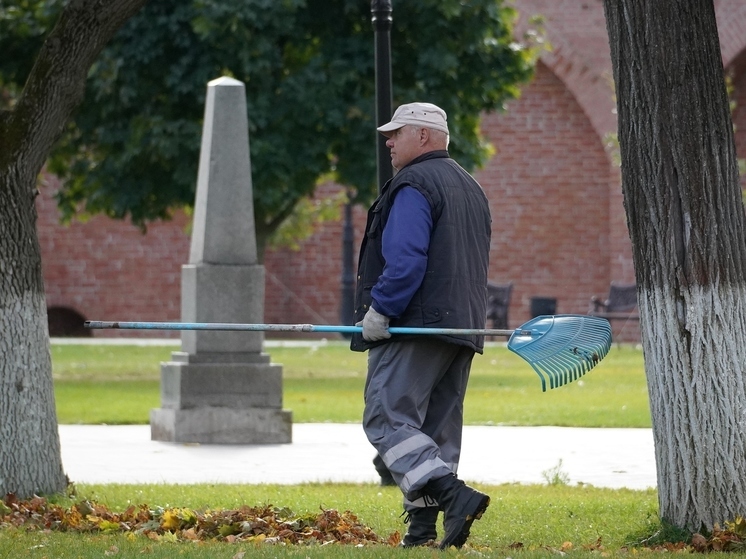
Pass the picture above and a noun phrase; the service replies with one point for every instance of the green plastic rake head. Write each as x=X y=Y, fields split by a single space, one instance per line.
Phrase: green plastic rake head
x=562 y=348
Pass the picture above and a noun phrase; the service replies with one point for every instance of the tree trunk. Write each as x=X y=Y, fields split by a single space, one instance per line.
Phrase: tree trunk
x=29 y=443
x=30 y=459
x=686 y=223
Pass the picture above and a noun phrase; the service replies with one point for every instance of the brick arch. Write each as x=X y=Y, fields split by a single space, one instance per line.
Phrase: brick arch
x=594 y=92
x=548 y=186
x=581 y=59
x=579 y=55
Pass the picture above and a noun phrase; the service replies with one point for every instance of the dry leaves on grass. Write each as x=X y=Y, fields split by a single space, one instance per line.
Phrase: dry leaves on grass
x=265 y=524
x=730 y=538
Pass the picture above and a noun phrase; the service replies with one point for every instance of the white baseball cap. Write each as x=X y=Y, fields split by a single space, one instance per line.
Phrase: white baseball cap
x=425 y=115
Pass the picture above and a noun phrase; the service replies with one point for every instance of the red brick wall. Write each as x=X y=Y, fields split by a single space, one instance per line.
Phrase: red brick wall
x=548 y=186
x=305 y=285
x=108 y=270
x=731 y=22
x=559 y=227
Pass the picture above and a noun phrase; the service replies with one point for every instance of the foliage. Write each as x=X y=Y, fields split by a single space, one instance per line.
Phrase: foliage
x=524 y=521
x=307 y=213
x=584 y=522
x=265 y=524
x=730 y=538
x=555 y=475
x=23 y=26
x=308 y=69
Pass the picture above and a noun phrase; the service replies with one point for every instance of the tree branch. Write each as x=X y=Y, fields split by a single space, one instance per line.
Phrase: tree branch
x=56 y=84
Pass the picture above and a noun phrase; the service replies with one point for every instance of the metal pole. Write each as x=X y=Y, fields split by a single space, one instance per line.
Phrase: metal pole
x=240 y=327
x=348 y=277
x=381 y=18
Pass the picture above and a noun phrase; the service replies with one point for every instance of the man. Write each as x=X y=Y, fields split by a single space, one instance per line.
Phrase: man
x=423 y=263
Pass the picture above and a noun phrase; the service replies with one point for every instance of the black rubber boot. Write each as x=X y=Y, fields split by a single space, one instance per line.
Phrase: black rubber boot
x=461 y=505
x=422 y=530
x=386 y=478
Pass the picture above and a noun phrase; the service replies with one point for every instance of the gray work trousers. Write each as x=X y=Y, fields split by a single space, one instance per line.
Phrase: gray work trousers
x=414 y=404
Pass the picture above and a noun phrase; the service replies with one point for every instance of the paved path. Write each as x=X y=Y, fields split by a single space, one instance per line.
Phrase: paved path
x=340 y=453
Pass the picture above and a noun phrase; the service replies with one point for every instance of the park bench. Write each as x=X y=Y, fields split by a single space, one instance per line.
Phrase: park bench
x=620 y=305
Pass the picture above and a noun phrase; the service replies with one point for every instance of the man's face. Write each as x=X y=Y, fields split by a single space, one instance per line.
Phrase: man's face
x=405 y=145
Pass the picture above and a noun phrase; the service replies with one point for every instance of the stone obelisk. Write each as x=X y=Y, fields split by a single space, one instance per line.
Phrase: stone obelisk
x=221 y=387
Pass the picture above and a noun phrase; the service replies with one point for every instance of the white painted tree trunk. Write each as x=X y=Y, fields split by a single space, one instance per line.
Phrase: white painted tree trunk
x=686 y=222
x=30 y=458
x=697 y=396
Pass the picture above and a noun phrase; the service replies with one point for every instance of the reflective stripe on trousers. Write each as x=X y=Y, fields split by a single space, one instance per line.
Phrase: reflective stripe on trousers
x=414 y=396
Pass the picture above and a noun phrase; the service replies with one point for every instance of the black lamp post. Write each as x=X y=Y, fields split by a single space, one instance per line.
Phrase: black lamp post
x=347 y=308
x=381 y=10
x=381 y=18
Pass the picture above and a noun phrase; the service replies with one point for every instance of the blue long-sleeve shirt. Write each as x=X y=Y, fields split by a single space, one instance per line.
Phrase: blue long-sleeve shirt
x=406 y=240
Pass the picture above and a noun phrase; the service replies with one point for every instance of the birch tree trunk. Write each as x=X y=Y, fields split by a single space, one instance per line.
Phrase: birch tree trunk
x=30 y=459
x=686 y=223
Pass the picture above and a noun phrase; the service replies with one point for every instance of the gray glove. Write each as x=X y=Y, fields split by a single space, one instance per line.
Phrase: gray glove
x=375 y=326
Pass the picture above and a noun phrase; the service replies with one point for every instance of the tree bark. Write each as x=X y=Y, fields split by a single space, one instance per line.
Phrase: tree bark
x=30 y=459
x=29 y=443
x=686 y=223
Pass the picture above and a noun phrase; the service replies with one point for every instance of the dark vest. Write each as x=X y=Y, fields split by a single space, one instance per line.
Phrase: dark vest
x=453 y=293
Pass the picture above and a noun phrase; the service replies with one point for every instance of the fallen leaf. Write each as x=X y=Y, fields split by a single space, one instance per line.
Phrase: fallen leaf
x=699 y=543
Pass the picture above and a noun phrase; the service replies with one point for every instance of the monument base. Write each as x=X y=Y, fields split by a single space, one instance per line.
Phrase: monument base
x=221 y=398
x=215 y=425
x=229 y=381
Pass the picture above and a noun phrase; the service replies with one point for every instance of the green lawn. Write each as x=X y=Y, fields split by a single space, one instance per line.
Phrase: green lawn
x=120 y=384
x=522 y=522
x=117 y=384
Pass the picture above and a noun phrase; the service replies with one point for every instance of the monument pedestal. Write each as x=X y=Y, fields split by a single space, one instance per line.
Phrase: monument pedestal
x=214 y=398
x=211 y=425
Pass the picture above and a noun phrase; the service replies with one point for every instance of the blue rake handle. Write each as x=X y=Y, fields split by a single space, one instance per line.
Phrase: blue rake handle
x=559 y=348
x=229 y=326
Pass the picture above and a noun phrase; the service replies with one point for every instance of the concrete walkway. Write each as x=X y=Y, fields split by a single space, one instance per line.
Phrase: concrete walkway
x=323 y=452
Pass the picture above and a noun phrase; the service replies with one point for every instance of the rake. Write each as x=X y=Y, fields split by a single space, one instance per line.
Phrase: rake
x=560 y=348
